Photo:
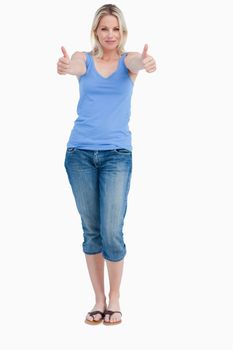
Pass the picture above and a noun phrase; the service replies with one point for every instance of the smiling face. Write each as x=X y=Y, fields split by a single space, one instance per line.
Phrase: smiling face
x=108 y=32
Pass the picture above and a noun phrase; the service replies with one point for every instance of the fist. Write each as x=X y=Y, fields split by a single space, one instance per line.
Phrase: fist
x=63 y=64
x=148 y=61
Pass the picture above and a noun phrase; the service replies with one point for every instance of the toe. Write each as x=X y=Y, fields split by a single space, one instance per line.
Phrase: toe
x=90 y=318
x=115 y=318
x=106 y=318
x=97 y=317
x=94 y=317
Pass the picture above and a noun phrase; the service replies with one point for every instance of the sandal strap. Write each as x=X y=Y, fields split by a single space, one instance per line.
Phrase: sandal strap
x=93 y=313
x=111 y=312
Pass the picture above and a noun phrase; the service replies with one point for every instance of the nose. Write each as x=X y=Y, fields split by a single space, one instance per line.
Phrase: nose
x=110 y=33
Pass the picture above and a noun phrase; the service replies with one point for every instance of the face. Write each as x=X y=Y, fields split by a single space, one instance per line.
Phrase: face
x=108 y=32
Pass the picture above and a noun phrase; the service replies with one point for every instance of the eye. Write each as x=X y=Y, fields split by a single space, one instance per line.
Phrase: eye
x=116 y=28
x=103 y=29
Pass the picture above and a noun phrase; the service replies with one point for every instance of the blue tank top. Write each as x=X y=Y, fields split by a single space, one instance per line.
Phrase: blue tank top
x=103 y=110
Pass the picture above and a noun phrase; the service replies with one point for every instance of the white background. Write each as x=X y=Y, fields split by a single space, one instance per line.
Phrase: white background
x=177 y=286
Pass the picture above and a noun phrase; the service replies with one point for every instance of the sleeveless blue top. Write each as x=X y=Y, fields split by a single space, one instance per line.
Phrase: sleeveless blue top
x=104 y=109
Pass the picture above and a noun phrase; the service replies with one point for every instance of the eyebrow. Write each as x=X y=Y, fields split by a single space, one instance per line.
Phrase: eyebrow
x=108 y=27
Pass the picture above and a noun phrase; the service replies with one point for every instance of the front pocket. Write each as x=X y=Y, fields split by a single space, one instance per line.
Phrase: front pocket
x=123 y=151
x=70 y=149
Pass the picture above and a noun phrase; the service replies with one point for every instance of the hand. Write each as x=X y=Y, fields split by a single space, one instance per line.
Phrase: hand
x=63 y=64
x=148 y=61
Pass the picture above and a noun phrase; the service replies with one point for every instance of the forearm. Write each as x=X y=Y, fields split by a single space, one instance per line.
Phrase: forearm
x=134 y=63
x=77 y=66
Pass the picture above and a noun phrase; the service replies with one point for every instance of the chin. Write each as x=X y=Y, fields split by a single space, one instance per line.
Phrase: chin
x=111 y=47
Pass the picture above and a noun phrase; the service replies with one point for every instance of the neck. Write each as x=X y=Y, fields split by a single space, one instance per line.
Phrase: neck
x=110 y=55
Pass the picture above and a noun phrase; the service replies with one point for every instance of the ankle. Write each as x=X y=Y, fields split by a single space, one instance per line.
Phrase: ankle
x=114 y=296
x=100 y=299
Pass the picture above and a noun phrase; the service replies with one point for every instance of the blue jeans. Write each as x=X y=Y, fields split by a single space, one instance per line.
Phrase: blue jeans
x=100 y=182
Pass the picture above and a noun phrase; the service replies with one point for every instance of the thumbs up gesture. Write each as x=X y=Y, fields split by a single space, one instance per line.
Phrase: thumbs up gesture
x=63 y=64
x=148 y=61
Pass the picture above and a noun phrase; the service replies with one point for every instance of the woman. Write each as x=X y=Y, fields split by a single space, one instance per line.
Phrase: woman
x=99 y=152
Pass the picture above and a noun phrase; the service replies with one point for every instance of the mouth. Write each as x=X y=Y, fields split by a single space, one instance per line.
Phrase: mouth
x=110 y=41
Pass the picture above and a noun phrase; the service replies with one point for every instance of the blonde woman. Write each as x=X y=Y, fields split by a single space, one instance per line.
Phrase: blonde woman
x=98 y=157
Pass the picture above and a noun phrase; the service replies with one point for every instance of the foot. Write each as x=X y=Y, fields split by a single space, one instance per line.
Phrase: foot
x=113 y=305
x=100 y=306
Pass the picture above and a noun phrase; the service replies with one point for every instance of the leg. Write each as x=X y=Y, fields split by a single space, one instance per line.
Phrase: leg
x=83 y=178
x=115 y=270
x=115 y=177
x=95 y=265
x=114 y=184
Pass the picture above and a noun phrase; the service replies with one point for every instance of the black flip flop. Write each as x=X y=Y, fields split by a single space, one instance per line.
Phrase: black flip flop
x=95 y=322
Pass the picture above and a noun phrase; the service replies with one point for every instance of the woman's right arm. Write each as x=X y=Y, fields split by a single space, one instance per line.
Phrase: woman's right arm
x=74 y=66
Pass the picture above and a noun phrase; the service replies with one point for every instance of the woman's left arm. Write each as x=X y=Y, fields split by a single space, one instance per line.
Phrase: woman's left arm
x=135 y=61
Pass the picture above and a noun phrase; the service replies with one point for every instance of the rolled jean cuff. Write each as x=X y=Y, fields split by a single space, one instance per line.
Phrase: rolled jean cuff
x=92 y=253
x=114 y=259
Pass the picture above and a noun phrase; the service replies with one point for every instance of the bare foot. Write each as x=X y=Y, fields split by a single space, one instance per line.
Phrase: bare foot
x=113 y=305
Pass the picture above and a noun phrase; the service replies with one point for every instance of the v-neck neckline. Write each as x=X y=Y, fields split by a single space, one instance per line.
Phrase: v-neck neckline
x=109 y=76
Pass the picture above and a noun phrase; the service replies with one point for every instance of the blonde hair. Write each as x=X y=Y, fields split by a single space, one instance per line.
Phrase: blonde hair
x=113 y=10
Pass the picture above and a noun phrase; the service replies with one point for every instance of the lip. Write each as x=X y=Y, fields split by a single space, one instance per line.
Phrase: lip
x=110 y=41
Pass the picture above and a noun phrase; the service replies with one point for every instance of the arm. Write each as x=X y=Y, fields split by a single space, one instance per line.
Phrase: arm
x=78 y=64
x=135 y=61
x=74 y=66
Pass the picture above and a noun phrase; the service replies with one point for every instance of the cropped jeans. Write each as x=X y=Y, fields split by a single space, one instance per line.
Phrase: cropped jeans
x=100 y=182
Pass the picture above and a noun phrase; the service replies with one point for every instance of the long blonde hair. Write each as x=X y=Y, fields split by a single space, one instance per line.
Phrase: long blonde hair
x=113 y=10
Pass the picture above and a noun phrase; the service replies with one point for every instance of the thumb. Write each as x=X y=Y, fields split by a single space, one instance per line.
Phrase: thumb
x=144 y=52
x=65 y=54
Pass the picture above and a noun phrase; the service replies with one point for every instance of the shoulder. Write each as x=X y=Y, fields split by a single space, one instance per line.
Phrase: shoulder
x=79 y=55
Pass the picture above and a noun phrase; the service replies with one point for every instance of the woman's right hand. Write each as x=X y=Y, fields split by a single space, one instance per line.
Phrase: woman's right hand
x=73 y=66
x=64 y=63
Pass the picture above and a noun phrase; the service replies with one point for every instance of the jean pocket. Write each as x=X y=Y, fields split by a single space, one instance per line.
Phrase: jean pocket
x=123 y=151
x=70 y=149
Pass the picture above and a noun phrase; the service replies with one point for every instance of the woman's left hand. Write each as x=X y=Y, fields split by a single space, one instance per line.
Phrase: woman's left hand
x=148 y=61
